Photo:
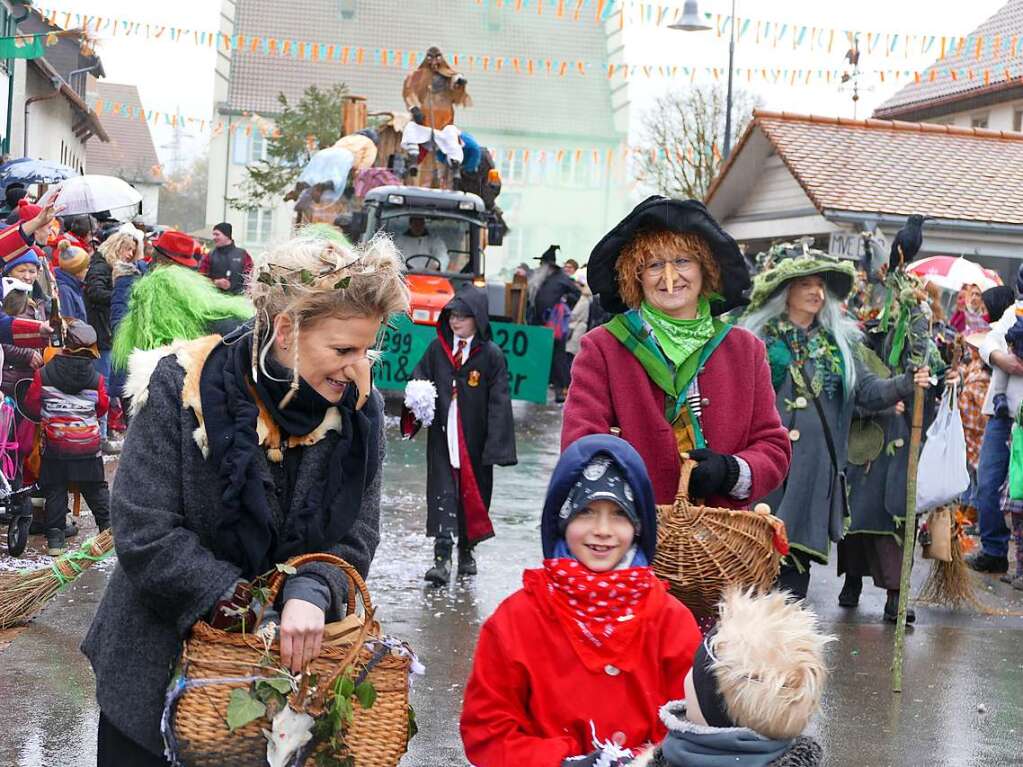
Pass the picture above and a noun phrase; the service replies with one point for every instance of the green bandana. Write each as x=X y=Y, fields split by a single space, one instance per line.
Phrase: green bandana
x=680 y=339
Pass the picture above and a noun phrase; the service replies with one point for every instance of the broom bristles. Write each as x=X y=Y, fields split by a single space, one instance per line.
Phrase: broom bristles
x=951 y=584
x=23 y=595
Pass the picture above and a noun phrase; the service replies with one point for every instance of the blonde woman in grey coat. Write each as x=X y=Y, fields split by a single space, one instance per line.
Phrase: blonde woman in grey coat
x=243 y=452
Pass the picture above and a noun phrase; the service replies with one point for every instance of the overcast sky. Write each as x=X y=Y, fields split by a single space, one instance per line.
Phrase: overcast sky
x=179 y=76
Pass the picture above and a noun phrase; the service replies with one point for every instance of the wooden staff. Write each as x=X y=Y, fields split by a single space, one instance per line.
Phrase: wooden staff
x=908 y=534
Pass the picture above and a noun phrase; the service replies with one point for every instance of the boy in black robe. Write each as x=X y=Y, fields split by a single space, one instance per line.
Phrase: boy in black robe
x=460 y=391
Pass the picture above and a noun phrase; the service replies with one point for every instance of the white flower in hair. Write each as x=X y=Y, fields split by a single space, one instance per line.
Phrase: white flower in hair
x=421 y=399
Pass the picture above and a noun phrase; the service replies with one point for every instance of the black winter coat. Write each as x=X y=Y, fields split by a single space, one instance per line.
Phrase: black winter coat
x=485 y=407
x=557 y=286
x=229 y=261
x=98 y=290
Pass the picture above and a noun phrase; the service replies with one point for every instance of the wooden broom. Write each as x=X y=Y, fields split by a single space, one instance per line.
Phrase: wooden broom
x=949 y=584
x=24 y=594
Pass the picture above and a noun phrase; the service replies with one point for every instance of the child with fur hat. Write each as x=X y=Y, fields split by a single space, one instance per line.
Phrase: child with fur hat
x=755 y=682
x=69 y=397
x=571 y=670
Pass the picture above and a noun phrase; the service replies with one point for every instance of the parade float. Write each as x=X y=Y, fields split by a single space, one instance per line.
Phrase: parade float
x=430 y=186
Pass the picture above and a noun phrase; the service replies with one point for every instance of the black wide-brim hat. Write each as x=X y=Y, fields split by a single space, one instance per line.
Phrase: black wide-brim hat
x=659 y=213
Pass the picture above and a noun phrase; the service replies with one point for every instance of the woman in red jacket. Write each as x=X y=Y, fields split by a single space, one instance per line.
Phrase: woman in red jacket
x=583 y=656
x=665 y=372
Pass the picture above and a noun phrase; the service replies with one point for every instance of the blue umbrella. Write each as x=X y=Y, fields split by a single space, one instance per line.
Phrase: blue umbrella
x=26 y=170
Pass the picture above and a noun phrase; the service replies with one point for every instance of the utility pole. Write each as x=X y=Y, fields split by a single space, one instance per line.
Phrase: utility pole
x=177 y=147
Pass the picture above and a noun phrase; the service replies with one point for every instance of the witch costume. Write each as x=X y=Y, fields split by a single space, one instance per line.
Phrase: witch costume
x=811 y=376
x=897 y=342
x=700 y=387
x=216 y=484
x=471 y=430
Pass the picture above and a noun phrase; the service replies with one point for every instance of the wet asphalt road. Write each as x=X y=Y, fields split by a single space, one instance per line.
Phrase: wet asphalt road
x=963 y=682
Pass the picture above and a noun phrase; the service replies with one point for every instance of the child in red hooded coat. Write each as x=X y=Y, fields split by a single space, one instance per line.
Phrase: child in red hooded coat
x=584 y=655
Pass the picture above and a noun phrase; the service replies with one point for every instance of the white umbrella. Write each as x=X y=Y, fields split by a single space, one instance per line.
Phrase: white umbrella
x=92 y=194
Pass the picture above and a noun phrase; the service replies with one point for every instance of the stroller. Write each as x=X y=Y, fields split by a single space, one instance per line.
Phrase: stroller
x=15 y=508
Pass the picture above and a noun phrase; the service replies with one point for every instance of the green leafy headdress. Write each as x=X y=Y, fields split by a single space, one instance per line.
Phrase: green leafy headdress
x=788 y=261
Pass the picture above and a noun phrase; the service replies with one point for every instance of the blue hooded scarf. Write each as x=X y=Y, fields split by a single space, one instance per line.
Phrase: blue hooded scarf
x=570 y=467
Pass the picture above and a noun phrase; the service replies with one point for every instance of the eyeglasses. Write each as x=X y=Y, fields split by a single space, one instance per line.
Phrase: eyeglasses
x=460 y=316
x=656 y=268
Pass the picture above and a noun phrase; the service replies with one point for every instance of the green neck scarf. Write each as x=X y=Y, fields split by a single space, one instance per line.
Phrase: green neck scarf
x=680 y=339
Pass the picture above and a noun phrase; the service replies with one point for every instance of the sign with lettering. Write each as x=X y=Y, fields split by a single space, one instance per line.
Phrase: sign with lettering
x=846 y=245
x=527 y=349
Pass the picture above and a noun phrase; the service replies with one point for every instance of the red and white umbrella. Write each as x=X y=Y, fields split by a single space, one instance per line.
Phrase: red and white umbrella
x=953 y=272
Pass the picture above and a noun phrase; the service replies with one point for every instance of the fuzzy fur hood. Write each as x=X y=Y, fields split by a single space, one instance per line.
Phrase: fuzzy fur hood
x=191 y=356
x=803 y=752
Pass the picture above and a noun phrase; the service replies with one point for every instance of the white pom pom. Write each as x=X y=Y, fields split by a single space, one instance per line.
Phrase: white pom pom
x=421 y=399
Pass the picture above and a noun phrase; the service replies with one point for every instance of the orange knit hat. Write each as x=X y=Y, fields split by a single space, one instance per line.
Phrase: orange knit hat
x=73 y=260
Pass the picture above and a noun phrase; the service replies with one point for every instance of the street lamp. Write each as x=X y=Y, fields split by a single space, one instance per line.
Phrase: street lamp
x=691 y=21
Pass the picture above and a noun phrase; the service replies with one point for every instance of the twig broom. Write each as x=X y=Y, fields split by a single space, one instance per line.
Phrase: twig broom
x=24 y=594
x=949 y=584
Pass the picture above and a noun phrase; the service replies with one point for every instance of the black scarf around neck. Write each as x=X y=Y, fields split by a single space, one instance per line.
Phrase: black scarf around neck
x=306 y=409
x=246 y=533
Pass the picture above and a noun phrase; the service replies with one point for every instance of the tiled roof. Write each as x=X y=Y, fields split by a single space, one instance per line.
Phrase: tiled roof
x=882 y=166
x=130 y=154
x=1003 y=29
x=572 y=105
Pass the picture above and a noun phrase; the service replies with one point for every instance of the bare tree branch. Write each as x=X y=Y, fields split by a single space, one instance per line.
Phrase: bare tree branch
x=682 y=138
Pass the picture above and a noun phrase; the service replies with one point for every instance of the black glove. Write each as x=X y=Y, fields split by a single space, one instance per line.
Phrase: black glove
x=418 y=116
x=715 y=473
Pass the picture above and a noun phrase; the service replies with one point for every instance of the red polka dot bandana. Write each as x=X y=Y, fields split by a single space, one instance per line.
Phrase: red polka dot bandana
x=601 y=611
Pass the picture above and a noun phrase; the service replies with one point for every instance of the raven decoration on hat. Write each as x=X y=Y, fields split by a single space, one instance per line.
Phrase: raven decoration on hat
x=681 y=216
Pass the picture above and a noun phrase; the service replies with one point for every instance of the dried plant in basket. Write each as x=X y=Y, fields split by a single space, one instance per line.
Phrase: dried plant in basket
x=232 y=704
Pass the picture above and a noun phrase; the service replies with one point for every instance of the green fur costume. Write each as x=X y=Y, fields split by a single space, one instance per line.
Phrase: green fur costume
x=173 y=303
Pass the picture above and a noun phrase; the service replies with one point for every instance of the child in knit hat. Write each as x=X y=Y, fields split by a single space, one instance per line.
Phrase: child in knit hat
x=69 y=397
x=755 y=683
x=570 y=671
x=70 y=275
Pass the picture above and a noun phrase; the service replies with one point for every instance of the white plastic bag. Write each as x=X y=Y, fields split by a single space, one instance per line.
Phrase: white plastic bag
x=942 y=476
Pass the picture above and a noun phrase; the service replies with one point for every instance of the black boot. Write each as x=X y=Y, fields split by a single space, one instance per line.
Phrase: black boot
x=56 y=543
x=891 y=608
x=850 y=594
x=440 y=573
x=466 y=562
x=795 y=582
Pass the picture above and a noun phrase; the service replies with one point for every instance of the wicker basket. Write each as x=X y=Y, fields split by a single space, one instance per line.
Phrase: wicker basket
x=703 y=550
x=377 y=737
